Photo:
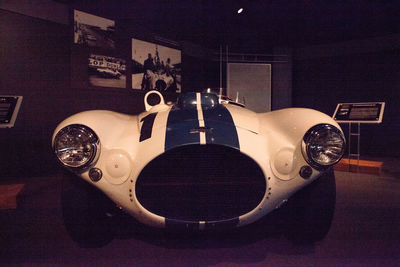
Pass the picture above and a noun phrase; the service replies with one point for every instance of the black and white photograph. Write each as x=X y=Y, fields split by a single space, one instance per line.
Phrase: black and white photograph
x=93 y=31
x=155 y=67
x=106 y=71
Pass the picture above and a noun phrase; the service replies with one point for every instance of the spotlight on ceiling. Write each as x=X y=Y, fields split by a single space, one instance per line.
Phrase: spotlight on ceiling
x=240 y=10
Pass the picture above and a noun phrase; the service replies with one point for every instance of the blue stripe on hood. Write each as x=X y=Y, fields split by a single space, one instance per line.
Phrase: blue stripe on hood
x=223 y=130
x=183 y=123
x=179 y=126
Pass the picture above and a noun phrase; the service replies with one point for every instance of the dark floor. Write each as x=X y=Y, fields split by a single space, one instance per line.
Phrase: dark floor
x=365 y=231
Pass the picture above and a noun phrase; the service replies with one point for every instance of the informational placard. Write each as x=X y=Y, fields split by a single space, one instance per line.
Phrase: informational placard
x=9 y=108
x=369 y=112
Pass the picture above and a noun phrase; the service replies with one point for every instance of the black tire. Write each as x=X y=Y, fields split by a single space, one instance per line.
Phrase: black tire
x=84 y=210
x=311 y=210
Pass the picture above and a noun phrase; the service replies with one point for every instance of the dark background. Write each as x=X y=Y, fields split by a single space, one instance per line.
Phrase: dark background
x=336 y=52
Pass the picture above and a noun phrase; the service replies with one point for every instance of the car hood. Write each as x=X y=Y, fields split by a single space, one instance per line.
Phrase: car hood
x=200 y=119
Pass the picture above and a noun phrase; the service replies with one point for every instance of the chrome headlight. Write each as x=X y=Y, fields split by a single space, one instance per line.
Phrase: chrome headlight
x=323 y=145
x=76 y=146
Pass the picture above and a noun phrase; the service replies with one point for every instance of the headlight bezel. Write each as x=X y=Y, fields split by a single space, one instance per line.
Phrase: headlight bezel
x=92 y=140
x=312 y=133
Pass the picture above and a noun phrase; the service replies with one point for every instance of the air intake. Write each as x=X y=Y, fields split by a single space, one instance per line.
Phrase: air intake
x=201 y=183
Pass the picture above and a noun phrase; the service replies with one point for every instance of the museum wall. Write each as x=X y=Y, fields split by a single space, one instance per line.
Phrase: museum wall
x=35 y=63
x=359 y=75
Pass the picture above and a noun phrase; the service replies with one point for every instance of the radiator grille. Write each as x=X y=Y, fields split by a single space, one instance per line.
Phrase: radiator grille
x=201 y=183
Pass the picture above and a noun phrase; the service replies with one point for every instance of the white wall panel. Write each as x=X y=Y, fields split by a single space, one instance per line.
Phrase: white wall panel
x=252 y=81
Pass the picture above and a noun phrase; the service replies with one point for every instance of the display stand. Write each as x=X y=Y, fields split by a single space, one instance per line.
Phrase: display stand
x=355 y=114
x=356 y=134
x=9 y=108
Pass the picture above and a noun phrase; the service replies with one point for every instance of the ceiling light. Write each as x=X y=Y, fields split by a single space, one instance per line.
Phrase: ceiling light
x=240 y=10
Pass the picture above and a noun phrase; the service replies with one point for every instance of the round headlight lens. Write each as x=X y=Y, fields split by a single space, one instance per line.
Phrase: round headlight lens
x=76 y=146
x=323 y=145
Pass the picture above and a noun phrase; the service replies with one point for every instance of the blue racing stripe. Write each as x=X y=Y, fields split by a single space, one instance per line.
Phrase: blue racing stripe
x=223 y=129
x=180 y=124
x=183 y=126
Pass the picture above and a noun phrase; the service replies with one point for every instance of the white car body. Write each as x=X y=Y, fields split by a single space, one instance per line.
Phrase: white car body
x=273 y=140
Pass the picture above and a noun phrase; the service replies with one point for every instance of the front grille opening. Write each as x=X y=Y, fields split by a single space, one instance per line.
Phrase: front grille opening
x=201 y=183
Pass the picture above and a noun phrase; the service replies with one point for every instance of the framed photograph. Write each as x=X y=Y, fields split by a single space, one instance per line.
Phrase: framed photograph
x=156 y=67
x=106 y=71
x=93 y=31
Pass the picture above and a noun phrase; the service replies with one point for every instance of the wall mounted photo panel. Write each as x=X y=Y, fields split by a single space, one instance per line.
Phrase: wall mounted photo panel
x=106 y=71
x=251 y=83
x=156 y=66
x=93 y=31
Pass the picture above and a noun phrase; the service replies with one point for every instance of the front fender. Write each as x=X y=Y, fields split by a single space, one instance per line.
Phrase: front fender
x=112 y=128
x=292 y=123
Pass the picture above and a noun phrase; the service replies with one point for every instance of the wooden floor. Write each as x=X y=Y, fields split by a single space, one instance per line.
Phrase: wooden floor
x=361 y=166
x=8 y=195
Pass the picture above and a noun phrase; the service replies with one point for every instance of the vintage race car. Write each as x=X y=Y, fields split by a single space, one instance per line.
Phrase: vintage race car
x=108 y=73
x=202 y=163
